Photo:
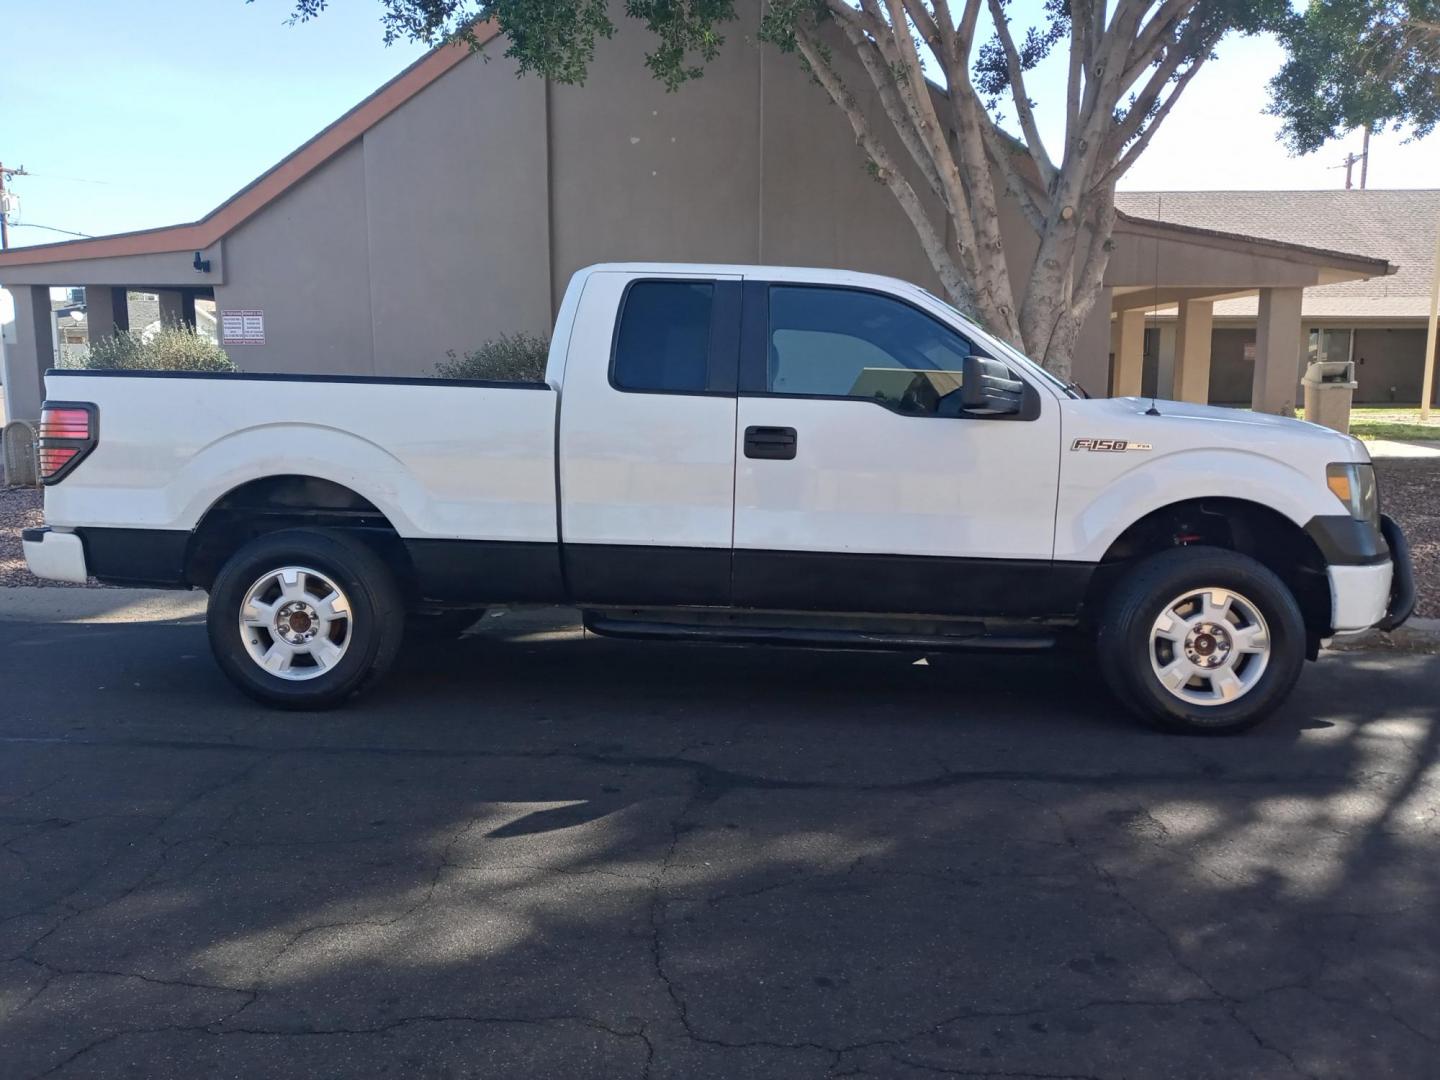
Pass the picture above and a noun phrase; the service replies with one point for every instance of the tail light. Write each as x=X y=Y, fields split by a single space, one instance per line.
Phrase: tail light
x=68 y=432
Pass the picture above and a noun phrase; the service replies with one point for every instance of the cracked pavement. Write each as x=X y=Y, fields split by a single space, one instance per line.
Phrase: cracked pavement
x=536 y=853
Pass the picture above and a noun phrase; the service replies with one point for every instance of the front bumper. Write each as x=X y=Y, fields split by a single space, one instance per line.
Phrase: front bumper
x=54 y=555
x=1402 y=583
x=1372 y=588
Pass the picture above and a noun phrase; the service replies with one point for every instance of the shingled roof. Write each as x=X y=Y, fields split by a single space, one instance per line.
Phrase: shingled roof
x=1398 y=226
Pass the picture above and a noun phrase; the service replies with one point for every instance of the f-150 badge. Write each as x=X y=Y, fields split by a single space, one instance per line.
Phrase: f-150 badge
x=1112 y=445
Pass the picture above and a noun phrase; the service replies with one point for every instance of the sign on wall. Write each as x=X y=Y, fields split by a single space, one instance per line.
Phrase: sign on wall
x=242 y=326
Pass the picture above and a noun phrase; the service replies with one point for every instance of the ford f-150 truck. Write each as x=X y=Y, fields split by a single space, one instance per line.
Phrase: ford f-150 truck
x=735 y=454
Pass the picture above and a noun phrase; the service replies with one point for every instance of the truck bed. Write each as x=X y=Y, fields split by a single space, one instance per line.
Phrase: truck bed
x=443 y=460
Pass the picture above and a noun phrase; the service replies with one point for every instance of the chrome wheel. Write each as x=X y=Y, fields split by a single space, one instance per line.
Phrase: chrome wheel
x=295 y=623
x=1209 y=646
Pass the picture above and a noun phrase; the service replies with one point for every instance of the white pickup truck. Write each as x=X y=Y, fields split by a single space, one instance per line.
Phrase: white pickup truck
x=734 y=454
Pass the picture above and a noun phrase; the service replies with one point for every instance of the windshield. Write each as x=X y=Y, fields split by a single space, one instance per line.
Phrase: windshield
x=1006 y=351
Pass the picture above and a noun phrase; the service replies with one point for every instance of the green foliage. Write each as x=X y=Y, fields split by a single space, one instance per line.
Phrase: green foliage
x=171 y=348
x=556 y=38
x=1355 y=63
x=509 y=358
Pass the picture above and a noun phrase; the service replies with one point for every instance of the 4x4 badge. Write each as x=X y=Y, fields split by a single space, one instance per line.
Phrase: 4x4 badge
x=1113 y=445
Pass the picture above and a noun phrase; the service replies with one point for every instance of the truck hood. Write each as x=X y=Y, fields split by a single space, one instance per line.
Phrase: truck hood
x=1183 y=426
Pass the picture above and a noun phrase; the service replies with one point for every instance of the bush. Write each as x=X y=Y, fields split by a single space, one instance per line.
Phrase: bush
x=509 y=358
x=171 y=348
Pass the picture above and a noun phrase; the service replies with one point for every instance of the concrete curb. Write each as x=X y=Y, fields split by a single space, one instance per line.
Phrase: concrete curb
x=34 y=603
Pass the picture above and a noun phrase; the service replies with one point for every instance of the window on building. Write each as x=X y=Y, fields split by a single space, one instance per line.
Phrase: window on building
x=664 y=337
x=846 y=343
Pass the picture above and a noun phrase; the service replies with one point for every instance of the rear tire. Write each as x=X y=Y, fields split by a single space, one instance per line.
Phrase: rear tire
x=1201 y=640
x=303 y=619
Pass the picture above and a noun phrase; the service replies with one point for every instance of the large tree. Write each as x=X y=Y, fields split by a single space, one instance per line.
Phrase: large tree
x=1358 y=64
x=947 y=74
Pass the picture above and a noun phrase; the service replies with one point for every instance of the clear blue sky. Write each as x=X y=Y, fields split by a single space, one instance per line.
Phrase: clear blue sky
x=152 y=112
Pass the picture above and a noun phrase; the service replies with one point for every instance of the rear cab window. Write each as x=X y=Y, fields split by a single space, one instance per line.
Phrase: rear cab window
x=677 y=337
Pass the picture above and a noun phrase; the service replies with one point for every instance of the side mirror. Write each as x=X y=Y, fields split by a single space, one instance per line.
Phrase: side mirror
x=989 y=388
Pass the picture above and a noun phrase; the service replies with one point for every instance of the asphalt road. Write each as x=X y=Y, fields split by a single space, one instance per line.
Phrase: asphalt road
x=532 y=854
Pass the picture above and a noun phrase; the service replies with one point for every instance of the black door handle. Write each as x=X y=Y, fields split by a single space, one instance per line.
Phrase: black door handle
x=773 y=443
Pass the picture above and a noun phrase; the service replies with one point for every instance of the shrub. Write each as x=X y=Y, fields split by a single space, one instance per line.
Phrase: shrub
x=509 y=358
x=171 y=348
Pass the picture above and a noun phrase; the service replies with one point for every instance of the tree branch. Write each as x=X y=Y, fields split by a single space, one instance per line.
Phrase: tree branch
x=1016 y=184
x=896 y=110
x=1153 y=36
x=1017 y=91
x=1137 y=147
x=965 y=34
x=956 y=286
x=1092 y=275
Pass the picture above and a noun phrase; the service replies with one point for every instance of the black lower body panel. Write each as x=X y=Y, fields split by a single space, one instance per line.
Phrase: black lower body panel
x=487 y=571
x=648 y=576
x=148 y=557
x=604 y=575
x=935 y=585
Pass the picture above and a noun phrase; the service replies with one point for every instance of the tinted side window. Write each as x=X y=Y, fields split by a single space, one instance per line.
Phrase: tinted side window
x=845 y=343
x=663 y=341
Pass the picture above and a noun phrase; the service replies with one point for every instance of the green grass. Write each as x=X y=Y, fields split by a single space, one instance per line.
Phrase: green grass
x=1384 y=422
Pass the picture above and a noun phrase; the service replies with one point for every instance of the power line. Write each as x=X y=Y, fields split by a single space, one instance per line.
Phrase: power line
x=51 y=228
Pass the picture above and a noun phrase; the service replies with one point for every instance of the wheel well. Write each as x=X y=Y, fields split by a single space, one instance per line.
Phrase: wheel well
x=286 y=502
x=1237 y=525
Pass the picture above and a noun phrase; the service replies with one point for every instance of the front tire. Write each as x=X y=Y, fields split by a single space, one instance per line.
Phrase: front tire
x=1201 y=640
x=303 y=619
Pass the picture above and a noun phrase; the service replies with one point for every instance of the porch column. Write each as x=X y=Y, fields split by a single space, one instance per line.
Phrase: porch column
x=1278 y=347
x=107 y=311
x=1129 y=351
x=34 y=351
x=1192 y=350
x=177 y=307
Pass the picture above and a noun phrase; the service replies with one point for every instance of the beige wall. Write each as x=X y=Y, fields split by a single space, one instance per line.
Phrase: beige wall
x=455 y=184
x=305 y=263
x=463 y=214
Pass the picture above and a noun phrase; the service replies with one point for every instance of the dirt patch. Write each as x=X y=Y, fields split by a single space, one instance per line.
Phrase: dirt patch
x=1410 y=493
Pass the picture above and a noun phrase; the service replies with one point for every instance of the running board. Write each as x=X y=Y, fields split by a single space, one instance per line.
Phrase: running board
x=811 y=637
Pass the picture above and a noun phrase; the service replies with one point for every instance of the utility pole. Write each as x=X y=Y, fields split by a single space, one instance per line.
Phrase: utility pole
x=1350 y=160
x=1433 y=331
x=1362 y=158
x=6 y=174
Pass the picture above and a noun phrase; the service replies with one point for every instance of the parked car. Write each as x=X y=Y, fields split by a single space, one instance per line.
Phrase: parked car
x=735 y=454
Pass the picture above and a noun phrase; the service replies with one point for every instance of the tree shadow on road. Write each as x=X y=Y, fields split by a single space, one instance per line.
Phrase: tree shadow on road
x=534 y=853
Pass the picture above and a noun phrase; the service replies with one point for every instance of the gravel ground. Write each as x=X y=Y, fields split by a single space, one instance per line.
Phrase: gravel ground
x=1410 y=493
x=1409 y=490
x=19 y=509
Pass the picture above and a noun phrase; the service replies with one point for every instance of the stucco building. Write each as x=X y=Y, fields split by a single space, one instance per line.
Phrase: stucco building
x=453 y=204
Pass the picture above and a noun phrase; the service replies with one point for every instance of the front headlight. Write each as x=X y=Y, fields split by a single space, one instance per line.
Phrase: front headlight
x=1353 y=483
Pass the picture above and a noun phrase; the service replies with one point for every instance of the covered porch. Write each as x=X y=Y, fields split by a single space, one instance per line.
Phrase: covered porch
x=178 y=280
x=1181 y=272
